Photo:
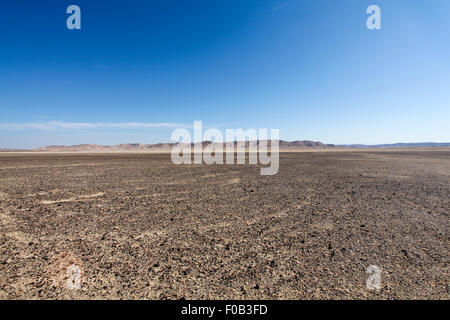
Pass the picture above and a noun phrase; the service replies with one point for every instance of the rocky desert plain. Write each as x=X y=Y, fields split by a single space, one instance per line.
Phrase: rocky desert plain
x=140 y=227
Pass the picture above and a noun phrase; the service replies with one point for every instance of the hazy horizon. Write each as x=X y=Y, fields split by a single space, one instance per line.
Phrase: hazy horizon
x=167 y=142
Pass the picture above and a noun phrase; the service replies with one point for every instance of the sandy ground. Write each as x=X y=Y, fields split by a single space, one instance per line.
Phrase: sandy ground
x=137 y=226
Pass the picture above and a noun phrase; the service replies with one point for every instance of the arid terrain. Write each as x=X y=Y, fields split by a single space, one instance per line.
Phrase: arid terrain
x=140 y=227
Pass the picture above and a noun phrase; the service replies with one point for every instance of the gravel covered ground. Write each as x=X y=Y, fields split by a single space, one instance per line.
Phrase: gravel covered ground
x=139 y=227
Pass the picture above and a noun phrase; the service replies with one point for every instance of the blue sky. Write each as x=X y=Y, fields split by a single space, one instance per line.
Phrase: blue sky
x=138 y=69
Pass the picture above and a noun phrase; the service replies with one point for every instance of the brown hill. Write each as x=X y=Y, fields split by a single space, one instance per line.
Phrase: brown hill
x=168 y=146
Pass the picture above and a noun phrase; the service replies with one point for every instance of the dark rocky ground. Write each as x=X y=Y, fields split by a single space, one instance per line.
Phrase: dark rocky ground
x=143 y=228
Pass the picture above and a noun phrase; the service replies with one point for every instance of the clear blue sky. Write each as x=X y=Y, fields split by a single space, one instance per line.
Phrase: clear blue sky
x=310 y=68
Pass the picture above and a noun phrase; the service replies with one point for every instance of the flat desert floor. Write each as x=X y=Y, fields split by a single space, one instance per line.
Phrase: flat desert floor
x=137 y=226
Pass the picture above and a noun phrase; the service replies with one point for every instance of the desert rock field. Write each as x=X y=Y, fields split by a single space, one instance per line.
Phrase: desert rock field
x=139 y=227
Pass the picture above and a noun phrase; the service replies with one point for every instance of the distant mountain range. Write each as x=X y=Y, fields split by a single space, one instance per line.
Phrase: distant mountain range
x=399 y=145
x=284 y=145
x=168 y=146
